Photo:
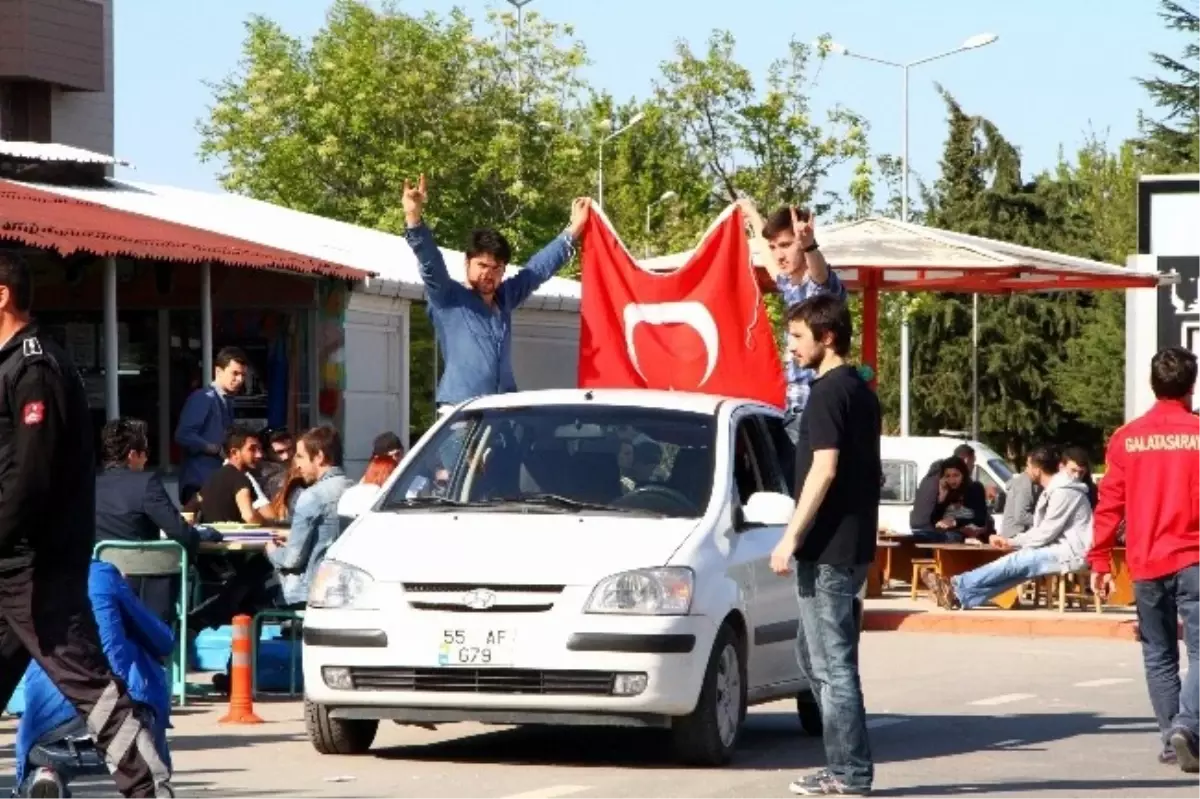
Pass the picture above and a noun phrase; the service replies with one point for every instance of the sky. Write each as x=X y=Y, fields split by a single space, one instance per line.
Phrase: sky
x=1059 y=70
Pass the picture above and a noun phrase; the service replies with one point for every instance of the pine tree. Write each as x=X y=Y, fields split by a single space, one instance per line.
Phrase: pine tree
x=1172 y=143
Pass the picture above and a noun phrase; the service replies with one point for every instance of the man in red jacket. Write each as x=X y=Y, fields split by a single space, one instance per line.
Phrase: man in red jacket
x=1153 y=483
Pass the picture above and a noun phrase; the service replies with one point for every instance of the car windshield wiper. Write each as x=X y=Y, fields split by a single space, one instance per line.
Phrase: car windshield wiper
x=423 y=503
x=566 y=503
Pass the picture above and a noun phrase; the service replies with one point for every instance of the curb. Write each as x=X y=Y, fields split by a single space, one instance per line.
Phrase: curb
x=985 y=623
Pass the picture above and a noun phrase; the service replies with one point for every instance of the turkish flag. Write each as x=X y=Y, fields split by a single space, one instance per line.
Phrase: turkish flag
x=703 y=327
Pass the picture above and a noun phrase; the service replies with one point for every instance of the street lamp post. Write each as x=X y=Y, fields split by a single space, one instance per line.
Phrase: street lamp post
x=975 y=42
x=638 y=117
x=520 y=6
x=666 y=197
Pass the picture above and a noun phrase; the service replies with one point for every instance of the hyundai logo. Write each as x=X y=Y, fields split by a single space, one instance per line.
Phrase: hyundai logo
x=479 y=599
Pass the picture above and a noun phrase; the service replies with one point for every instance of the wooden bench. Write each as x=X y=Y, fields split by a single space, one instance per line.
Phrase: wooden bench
x=951 y=560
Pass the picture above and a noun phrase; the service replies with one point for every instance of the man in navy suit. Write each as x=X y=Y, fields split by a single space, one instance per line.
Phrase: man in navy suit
x=204 y=420
x=132 y=505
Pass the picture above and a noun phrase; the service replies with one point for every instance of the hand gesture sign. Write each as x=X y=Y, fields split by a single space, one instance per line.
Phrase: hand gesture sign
x=802 y=229
x=580 y=208
x=414 y=199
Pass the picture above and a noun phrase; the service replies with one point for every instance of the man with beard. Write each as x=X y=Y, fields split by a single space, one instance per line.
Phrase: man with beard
x=832 y=537
x=473 y=322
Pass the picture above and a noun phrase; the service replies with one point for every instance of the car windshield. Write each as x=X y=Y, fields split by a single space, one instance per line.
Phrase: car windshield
x=585 y=458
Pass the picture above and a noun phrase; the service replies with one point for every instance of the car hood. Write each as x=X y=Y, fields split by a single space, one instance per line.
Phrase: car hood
x=513 y=548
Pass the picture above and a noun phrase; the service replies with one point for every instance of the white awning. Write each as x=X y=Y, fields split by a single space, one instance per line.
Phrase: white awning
x=901 y=256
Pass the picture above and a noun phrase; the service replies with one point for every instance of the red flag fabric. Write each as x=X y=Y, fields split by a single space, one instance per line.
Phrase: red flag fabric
x=702 y=328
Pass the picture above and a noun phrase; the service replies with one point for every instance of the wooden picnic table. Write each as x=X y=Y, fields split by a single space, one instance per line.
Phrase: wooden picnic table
x=951 y=560
x=1122 y=594
x=876 y=581
x=898 y=557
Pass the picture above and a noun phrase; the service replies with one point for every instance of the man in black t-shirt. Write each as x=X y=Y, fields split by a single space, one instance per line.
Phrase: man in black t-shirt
x=228 y=495
x=832 y=537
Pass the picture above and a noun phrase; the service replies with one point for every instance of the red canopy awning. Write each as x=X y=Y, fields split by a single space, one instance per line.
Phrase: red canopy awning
x=67 y=225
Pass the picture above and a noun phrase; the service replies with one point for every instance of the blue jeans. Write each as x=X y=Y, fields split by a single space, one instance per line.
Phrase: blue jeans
x=827 y=650
x=979 y=585
x=1160 y=605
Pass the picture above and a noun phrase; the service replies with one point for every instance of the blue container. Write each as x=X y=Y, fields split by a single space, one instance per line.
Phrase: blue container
x=210 y=650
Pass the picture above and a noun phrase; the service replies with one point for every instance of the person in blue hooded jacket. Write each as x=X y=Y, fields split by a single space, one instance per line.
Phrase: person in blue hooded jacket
x=136 y=643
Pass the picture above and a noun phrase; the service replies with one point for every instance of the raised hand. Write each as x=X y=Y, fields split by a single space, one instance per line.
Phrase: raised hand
x=414 y=200
x=580 y=208
x=802 y=229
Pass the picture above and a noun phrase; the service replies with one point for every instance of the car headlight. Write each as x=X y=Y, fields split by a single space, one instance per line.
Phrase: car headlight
x=337 y=585
x=646 y=592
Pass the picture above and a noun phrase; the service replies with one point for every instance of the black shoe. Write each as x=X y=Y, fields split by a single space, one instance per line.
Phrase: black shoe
x=1184 y=744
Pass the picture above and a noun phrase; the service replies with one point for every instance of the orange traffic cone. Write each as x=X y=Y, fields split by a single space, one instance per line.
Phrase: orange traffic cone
x=241 y=695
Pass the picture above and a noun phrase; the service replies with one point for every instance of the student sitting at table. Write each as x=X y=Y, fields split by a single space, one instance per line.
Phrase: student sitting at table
x=945 y=507
x=132 y=505
x=1057 y=543
x=283 y=504
x=315 y=524
x=228 y=495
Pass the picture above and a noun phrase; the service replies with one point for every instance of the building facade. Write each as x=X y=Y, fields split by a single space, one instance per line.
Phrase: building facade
x=56 y=72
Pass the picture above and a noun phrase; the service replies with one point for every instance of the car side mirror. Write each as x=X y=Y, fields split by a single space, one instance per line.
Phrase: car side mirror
x=768 y=509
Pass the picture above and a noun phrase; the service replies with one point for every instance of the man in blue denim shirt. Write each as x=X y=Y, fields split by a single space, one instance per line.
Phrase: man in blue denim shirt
x=473 y=322
x=315 y=524
x=787 y=246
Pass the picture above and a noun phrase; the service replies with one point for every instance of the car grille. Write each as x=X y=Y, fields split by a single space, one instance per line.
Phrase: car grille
x=509 y=598
x=483 y=681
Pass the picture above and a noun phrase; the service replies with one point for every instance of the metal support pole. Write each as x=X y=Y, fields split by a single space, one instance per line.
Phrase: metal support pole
x=206 y=323
x=905 y=347
x=600 y=179
x=164 y=388
x=112 y=347
x=975 y=366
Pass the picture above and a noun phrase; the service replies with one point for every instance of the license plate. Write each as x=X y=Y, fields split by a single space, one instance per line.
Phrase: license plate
x=479 y=648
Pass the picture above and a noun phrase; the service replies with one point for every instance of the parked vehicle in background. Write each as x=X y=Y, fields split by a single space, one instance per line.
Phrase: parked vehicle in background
x=907 y=459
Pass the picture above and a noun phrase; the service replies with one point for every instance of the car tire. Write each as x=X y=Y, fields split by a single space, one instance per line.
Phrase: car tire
x=331 y=736
x=708 y=735
x=809 y=713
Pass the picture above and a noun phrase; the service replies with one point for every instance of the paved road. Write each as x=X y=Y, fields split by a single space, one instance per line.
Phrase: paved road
x=949 y=715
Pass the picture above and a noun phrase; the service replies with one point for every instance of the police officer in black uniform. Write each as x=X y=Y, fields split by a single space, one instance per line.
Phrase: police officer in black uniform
x=47 y=526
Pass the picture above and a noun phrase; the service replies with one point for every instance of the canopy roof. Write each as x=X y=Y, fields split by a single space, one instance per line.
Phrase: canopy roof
x=902 y=256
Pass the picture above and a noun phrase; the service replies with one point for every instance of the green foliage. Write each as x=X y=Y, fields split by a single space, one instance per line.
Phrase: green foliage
x=1172 y=142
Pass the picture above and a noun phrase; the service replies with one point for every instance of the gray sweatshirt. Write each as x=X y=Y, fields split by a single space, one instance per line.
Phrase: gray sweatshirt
x=1021 y=498
x=1062 y=522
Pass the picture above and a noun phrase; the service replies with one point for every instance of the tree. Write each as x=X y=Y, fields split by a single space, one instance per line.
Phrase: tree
x=1101 y=190
x=980 y=191
x=766 y=146
x=334 y=125
x=1172 y=143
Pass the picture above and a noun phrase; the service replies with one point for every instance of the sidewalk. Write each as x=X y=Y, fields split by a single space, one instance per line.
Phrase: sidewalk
x=895 y=612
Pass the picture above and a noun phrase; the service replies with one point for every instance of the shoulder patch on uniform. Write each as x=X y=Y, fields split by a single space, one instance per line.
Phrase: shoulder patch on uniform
x=33 y=413
x=31 y=346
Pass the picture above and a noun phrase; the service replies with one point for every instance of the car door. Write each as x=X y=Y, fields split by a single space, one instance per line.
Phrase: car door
x=750 y=547
x=776 y=636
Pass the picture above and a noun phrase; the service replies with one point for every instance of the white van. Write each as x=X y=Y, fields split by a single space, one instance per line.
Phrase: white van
x=906 y=460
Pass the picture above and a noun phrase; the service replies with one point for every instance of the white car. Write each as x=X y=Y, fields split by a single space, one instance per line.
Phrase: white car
x=566 y=557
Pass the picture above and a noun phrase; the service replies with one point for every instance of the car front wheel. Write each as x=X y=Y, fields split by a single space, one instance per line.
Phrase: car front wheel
x=709 y=734
x=331 y=736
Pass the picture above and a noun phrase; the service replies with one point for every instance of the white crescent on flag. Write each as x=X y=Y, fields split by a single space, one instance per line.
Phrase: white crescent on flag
x=693 y=314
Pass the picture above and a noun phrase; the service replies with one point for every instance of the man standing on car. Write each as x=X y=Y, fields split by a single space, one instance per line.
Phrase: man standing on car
x=832 y=537
x=473 y=322
x=1153 y=484
x=47 y=530
x=787 y=246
